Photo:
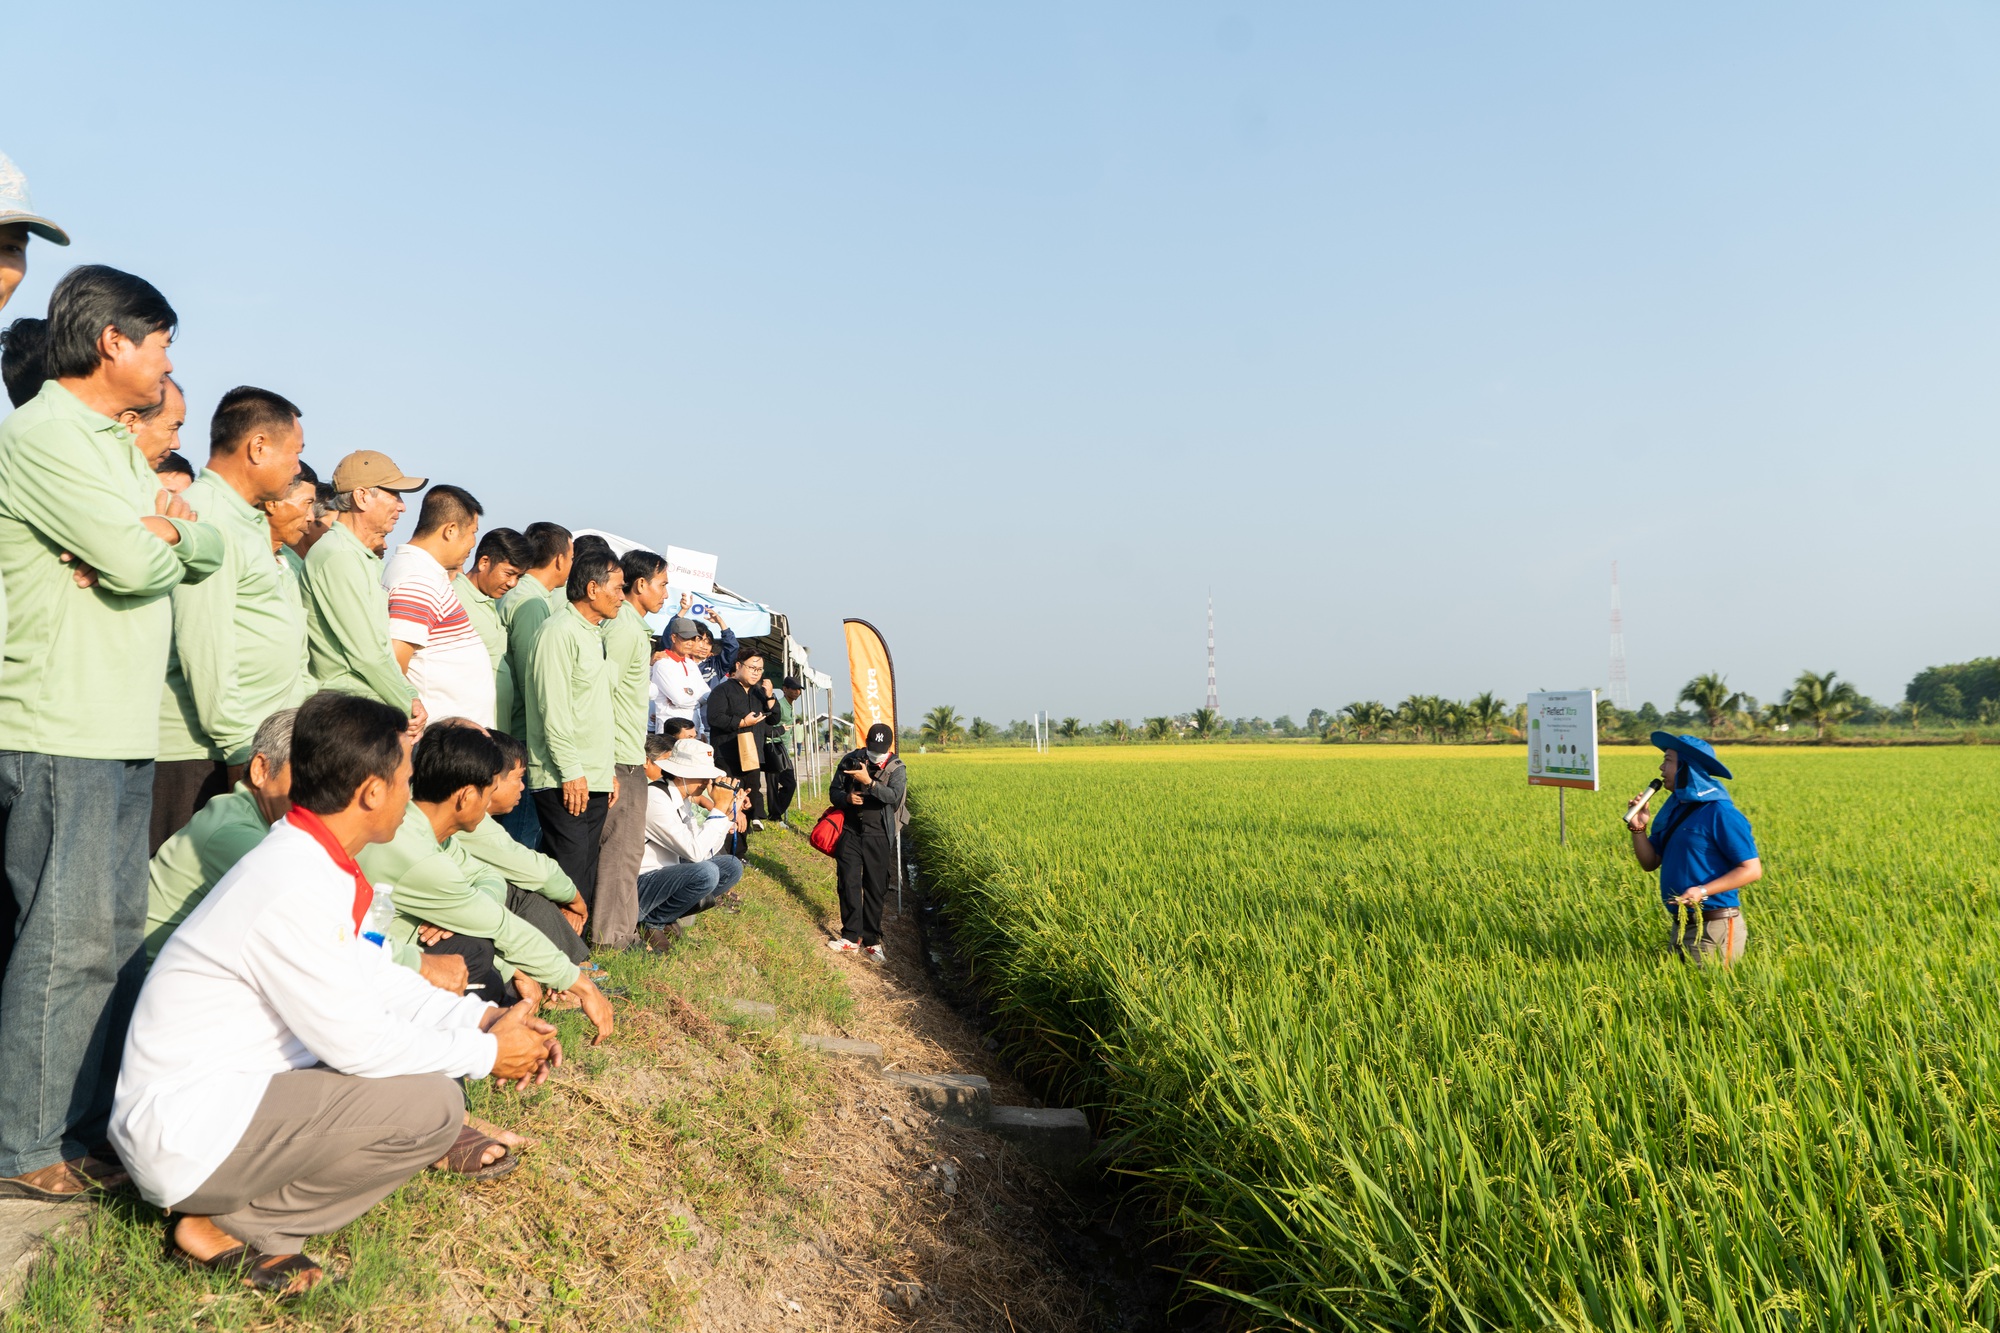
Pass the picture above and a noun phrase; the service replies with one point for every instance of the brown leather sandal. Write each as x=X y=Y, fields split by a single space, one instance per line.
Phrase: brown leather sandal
x=466 y=1157
x=278 y=1275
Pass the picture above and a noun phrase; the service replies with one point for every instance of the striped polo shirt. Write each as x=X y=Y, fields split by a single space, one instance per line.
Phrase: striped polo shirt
x=451 y=670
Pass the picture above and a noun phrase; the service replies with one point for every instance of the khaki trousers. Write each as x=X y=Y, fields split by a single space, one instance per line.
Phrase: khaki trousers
x=621 y=847
x=1719 y=941
x=323 y=1149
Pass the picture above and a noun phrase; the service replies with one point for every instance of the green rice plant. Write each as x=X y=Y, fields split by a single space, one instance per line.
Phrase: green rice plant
x=1393 y=1059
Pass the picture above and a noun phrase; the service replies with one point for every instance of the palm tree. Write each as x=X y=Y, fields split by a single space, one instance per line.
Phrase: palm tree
x=1206 y=723
x=1821 y=700
x=941 y=726
x=1070 y=728
x=1420 y=713
x=1711 y=694
x=1116 y=729
x=1334 y=727
x=981 y=730
x=1368 y=717
x=1485 y=711
x=1159 y=728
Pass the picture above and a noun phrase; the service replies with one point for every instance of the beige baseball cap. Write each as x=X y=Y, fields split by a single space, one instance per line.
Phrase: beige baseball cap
x=366 y=467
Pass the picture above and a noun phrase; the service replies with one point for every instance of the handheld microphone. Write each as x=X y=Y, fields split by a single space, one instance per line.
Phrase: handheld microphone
x=1645 y=796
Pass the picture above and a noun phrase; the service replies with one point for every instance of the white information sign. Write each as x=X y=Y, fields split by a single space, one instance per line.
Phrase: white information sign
x=692 y=571
x=1562 y=739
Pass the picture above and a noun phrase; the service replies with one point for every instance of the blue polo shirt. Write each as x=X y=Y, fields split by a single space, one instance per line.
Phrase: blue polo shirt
x=1711 y=841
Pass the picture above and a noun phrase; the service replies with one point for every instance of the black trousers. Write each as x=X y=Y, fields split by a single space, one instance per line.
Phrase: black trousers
x=781 y=783
x=738 y=844
x=572 y=839
x=482 y=977
x=865 y=861
x=547 y=917
x=181 y=787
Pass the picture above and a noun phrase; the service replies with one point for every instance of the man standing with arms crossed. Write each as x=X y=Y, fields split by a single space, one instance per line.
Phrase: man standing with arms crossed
x=239 y=651
x=80 y=721
x=628 y=650
x=570 y=766
x=347 y=608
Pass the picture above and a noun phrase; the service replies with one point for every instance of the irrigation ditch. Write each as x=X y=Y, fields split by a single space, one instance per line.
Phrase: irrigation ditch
x=1117 y=1238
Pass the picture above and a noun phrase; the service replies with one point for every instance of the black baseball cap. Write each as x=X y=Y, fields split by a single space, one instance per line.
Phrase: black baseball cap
x=880 y=737
x=791 y=683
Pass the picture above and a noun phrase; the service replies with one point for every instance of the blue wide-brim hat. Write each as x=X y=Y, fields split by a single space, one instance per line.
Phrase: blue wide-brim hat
x=1697 y=752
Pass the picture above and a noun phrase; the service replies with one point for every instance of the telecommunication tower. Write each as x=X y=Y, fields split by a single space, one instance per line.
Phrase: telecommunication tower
x=1621 y=692
x=1211 y=649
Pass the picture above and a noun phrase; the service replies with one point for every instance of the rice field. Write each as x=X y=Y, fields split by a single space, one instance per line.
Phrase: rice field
x=1391 y=1058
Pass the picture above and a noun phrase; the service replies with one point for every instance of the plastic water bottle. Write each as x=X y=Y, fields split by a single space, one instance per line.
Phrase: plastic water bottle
x=381 y=912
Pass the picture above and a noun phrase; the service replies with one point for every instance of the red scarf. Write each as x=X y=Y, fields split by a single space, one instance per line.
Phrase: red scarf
x=307 y=822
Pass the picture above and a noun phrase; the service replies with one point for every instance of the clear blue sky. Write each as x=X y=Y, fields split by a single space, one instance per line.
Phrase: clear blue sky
x=1013 y=329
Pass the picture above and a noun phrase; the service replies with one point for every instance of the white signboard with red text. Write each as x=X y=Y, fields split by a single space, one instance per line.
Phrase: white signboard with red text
x=690 y=571
x=1562 y=739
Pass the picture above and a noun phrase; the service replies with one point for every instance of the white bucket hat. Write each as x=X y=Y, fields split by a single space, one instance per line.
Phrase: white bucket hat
x=691 y=759
x=17 y=207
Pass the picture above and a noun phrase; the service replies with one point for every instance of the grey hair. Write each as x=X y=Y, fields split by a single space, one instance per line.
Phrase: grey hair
x=274 y=738
x=343 y=502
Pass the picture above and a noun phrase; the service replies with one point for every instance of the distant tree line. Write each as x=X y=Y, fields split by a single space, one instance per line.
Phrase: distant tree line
x=1821 y=702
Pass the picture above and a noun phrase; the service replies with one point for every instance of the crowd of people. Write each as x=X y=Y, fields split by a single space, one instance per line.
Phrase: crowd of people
x=299 y=833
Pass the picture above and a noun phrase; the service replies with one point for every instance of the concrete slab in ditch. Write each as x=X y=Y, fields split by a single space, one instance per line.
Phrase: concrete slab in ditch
x=24 y=1225
x=966 y=1098
x=761 y=1010
x=1055 y=1139
x=845 y=1047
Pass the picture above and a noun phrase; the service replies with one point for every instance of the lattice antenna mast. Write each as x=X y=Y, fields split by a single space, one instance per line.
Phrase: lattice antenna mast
x=1621 y=691
x=1211 y=649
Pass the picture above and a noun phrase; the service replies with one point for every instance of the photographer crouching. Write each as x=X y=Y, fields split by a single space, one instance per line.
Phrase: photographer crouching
x=869 y=786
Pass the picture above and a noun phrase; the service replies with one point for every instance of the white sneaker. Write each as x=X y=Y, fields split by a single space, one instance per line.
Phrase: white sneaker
x=756 y=826
x=841 y=944
x=873 y=954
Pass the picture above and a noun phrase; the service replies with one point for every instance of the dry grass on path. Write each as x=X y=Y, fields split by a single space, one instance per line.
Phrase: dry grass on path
x=696 y=1171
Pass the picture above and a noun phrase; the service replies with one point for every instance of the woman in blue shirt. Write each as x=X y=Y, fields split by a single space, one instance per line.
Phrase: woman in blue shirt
x=1702 y=846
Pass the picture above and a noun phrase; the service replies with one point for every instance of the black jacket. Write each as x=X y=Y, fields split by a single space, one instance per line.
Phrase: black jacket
x=881 y=808
x=728 y=705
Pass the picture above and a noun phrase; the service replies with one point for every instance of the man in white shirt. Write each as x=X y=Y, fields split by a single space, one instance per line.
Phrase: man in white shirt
x=679 y=688
x=435 y=642
x=687 y=822
x=282 y=1074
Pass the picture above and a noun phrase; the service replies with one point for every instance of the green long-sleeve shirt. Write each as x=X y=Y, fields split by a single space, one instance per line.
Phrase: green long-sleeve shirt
x=628 y=649
x=195 y=859
x=239 y=651
x=347 y=621
x=569 y=705
x=523 y=612
x=484 y=613
x=434 y=885
x=533 y=871
x=84 y=666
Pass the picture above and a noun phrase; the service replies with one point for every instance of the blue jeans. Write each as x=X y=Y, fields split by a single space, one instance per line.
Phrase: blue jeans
x=671 y=892
x=523 y=825
x=74 y=839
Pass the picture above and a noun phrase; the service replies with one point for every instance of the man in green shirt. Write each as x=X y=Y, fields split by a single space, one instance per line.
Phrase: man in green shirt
x=448 y=902
x=628 y=650
x=496 y=567
x=347 y=608
x=540 y=593
x=239 y=643
x=538 y=891
x=570 y=767
x=86 y=653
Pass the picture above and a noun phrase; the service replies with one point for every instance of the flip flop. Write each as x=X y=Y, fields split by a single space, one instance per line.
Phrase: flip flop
x=14 y=1187
x=463 y=1157
x=232 y=1260
x=273 y=1275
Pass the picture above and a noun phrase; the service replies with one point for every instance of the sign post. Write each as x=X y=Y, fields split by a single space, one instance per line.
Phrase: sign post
x=1562 y=746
